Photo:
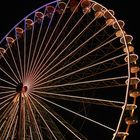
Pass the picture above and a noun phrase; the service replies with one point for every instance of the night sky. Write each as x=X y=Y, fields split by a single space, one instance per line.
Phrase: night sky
x=12 y=12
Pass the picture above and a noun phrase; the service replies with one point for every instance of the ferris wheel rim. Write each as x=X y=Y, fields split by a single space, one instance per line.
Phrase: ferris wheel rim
x=128 y=63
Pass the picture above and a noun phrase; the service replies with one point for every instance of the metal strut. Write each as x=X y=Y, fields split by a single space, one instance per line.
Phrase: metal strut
x=20 y=124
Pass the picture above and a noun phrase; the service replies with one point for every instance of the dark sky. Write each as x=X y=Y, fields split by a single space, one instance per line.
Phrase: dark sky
x=12 y=12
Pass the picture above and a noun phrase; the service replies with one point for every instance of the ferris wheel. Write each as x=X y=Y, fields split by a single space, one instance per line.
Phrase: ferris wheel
x=68 y=71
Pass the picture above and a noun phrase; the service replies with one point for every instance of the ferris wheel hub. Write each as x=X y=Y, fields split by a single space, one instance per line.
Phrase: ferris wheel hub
x=21 y=88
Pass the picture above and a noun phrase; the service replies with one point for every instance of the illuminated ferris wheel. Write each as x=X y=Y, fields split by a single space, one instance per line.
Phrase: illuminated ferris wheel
x=68 y=71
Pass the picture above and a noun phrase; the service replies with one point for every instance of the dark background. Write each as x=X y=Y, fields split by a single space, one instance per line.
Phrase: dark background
x=12 y=12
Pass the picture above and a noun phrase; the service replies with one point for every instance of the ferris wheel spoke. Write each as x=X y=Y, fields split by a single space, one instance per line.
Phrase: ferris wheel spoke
x=9 y=107
x=30 y=47
x=97 y=70
x=13 y=118
x=37 y=59
x=6 y=100
x=14 y=129
x=71 y=31
x=41 y=66
x=25 y=45
x=8 y=122
x=32 y=115
x=4 y=106
x=10 y=68
x=51 y=33
x=6 y=87
x=72 y=40
x=15 y=63
x=5 y=81
x=8 y=112
x=82 y=83
x=29 y=69
x=6 y=73
x=53 y=132
x=2 y=125
x=70 y=54
x=31 y=133
x=33 y=59
x=7 y=92
x=100 y=72
x=71 y=73
x=19 y=55
x=97 y=86
x=80 y=99
x=75 y=113
x=48 y=27
x=61 y=120
x=6 y=96
x=78 y=59
x=43 y=119
x=55 y=30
